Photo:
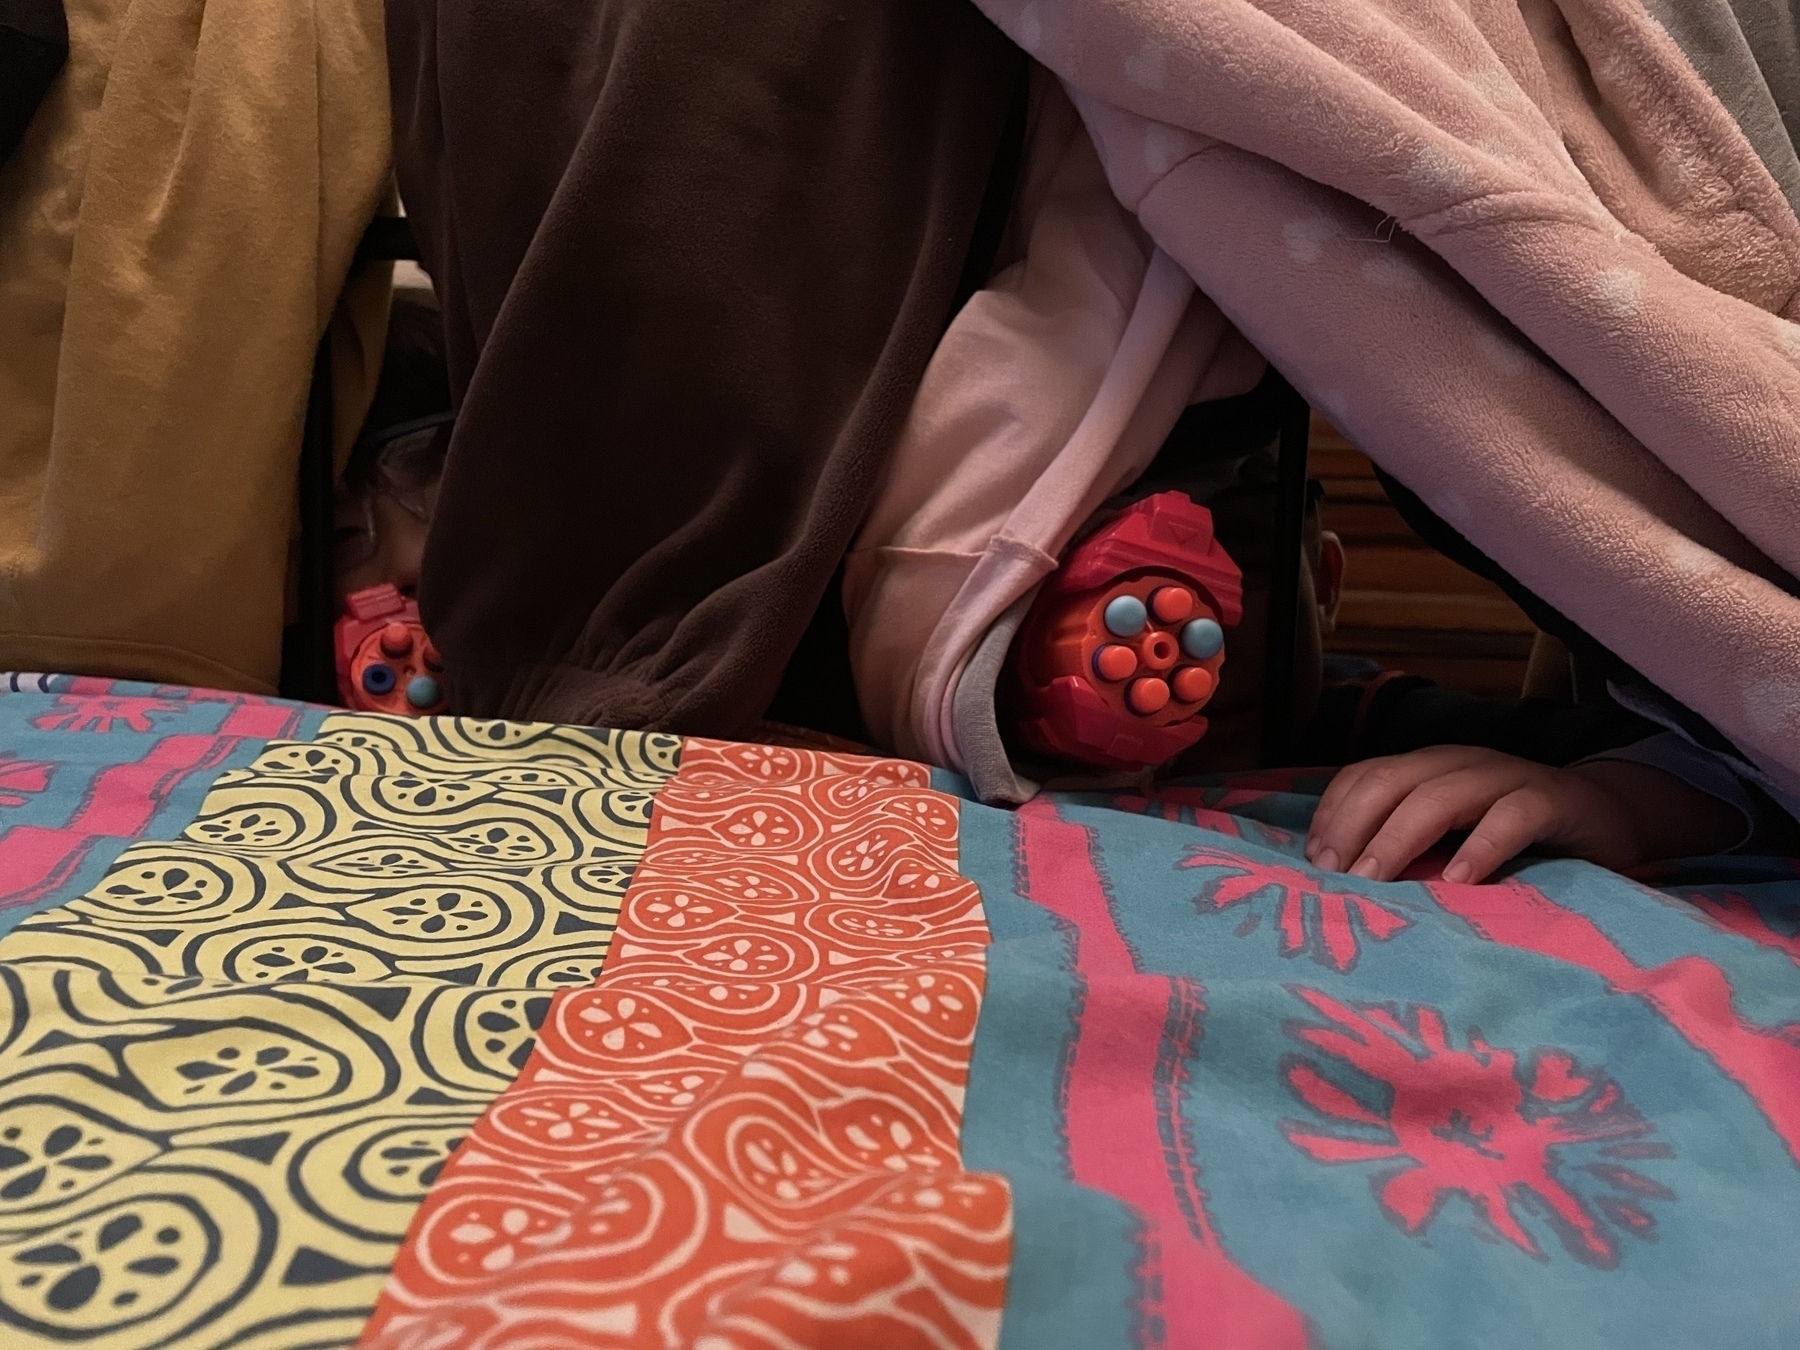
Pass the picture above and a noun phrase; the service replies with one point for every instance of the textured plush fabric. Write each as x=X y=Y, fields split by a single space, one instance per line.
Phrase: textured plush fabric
x=694 y=258
x=1771 y=28
x=175 y=231
x=1523 y=256
x=1717 y=37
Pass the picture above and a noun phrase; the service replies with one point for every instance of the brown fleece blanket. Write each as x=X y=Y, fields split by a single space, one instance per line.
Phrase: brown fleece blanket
x=693 y=258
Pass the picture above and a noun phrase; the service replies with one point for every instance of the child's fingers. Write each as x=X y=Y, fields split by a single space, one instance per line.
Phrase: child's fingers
x=1450 y=801
x=1511 y=825
x=1364 y=795
x=1354 y=805
x=1340 y=789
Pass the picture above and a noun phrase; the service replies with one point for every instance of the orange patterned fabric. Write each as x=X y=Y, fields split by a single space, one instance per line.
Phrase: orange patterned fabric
x=744 y=1134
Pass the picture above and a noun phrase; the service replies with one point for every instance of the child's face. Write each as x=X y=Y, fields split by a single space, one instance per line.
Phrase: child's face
x=1233 y=739
x=380 y=536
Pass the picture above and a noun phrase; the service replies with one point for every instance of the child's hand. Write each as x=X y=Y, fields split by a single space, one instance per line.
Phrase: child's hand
x=1379 y=815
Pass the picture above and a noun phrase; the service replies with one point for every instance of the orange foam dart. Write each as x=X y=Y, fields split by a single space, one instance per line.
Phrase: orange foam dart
x=396 y=639
x=1139 y=605
x=1115 y=663
x=1172 y=604
x=1148 y=696
x=1194 y=684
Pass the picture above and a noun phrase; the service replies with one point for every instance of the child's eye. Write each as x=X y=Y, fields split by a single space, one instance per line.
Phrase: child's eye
x=351 y=545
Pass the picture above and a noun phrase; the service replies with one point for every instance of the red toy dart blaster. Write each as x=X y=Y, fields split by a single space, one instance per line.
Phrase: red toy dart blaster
x=385 y=663
x=1123 y=646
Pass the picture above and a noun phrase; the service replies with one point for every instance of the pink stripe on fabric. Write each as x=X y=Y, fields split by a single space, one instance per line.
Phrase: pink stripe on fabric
x=1126 y=1136
x=124 y=797
x=122 y=800
x=34 y=861
x=261 y=720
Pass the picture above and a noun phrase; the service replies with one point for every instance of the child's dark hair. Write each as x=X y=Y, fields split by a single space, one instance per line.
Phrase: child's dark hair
x=414 y=384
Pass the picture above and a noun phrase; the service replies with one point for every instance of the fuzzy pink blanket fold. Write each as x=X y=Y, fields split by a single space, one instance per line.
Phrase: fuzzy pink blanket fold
x=1519 y=252
x=1052 y=389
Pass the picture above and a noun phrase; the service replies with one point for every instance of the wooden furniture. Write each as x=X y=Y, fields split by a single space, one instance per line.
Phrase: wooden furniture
x=1405 y=604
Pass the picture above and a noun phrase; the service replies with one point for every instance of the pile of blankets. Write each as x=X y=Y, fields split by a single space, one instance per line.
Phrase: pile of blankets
x=329 y=1029
x=1540 y=260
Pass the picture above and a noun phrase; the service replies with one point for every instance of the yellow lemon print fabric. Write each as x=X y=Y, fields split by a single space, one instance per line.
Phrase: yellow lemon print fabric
x=229 y=1072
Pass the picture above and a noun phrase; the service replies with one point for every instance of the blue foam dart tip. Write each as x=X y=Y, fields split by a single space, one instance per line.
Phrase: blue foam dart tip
x=378 y=678
x=1126 y=616
x=422 y=691
x=1202 y=638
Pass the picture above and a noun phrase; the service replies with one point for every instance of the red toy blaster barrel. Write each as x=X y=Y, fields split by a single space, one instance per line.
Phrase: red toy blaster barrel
x=1123 y=646
x=385 y=663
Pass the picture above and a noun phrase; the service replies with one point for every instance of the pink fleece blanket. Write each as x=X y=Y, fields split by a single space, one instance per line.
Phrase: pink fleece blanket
x=1519 y=252
x=1523 y=256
